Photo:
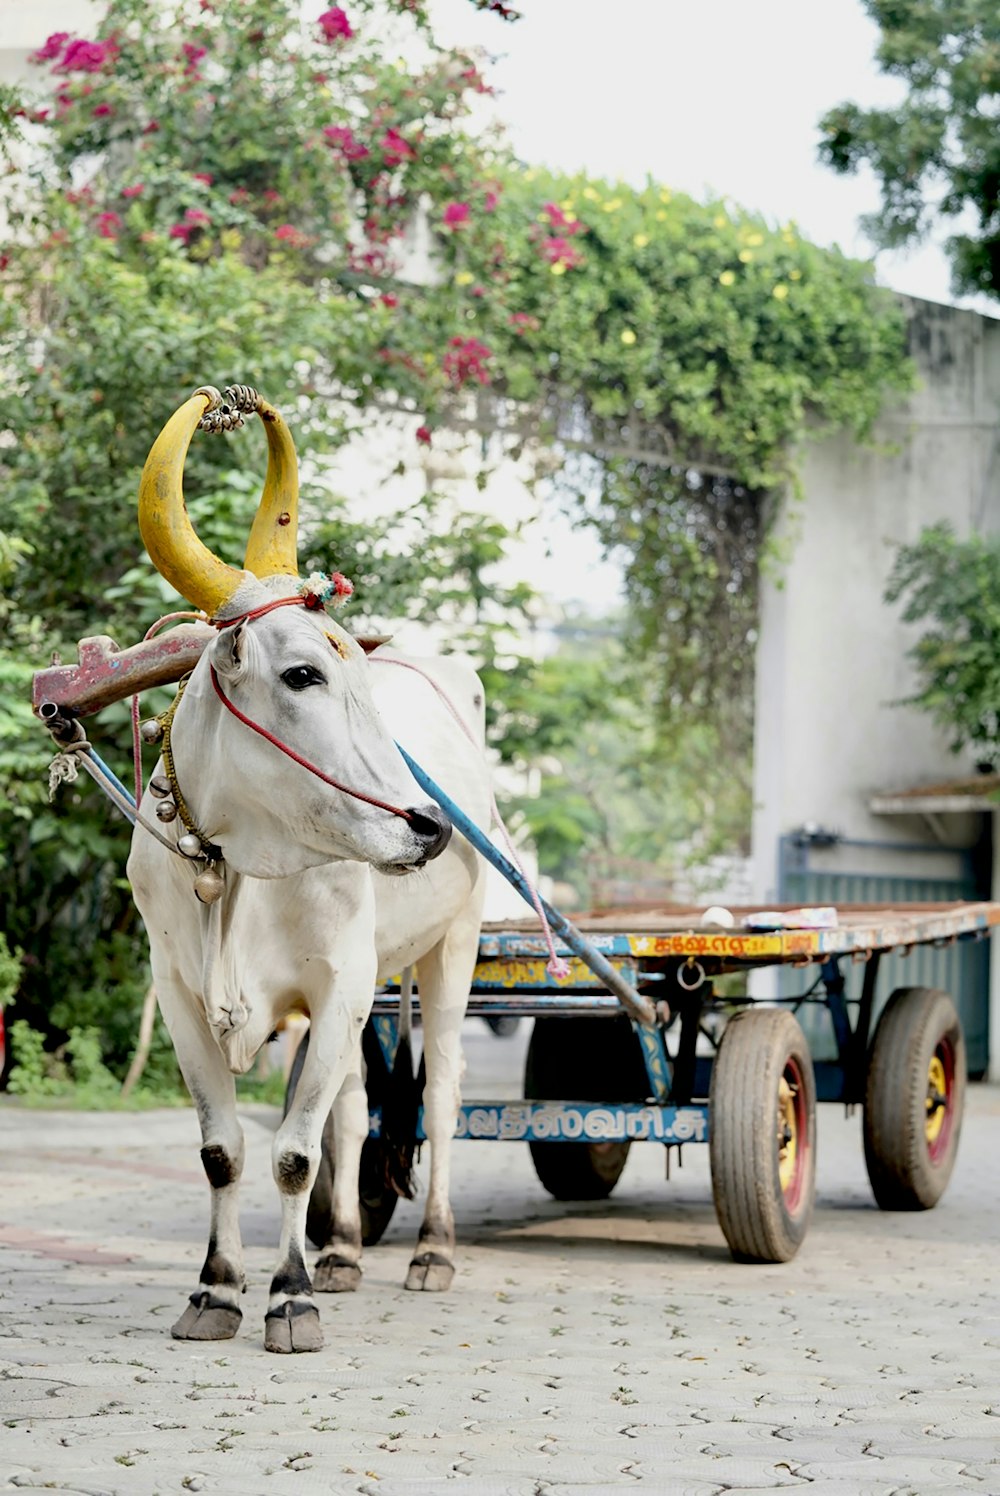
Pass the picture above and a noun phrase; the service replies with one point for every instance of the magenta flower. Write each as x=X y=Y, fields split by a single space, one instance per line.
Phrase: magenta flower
x=395 y=149
x=84 y=57
x=152 y=127
x=334 y=24
x=102 y=111
x=465 y=361
x=193 y=55
x=389 y=299
x=193 y=220
x=204 y=176
x=558 y=251
x=135 y=191
x=241 y=195
x=424 y=435
x=52 y=48
x=523 y=323
x=293 y=237
x=456 y=215
x=490 y=200
x=344 y=140
x=109 y=225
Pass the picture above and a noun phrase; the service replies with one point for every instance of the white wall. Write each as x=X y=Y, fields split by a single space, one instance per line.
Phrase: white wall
x=831 y=664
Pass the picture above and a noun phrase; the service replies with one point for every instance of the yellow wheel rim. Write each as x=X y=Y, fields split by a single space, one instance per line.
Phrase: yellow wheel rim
x=937 y=1099
x=788 y=1134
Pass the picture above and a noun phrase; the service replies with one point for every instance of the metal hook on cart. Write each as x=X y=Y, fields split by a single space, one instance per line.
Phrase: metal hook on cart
x=697 y=973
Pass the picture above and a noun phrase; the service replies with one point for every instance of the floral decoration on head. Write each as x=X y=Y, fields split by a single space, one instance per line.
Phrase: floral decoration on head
x=322 y=589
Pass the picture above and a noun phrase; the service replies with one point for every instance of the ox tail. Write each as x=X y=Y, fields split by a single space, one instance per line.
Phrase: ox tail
x=401 y=1103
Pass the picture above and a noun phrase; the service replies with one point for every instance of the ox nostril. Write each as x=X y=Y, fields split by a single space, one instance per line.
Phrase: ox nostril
x=433 y=828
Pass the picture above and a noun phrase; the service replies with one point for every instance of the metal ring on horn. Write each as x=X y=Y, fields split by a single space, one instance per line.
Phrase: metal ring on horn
x=697 y=971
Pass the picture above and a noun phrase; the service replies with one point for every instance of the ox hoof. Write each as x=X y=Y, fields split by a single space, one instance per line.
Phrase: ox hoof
x=335 y=1275
x=203 y=1320
x=430 y=1272
x=293 y=1327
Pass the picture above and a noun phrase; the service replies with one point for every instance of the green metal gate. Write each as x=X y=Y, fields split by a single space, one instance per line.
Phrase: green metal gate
x=963 y=969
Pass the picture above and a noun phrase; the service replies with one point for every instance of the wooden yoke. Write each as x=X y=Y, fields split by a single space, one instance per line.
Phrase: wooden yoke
x=105 y=674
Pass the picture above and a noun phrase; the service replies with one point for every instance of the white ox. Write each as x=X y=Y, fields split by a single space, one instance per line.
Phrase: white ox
x=319 y=894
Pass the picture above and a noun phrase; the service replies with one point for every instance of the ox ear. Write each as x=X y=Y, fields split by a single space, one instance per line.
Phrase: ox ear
x=229 y=653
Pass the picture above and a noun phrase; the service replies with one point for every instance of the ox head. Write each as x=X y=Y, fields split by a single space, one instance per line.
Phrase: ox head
x=295 y=674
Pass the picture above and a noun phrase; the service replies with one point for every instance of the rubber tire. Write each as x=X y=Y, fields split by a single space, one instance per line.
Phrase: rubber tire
x=903 y=1173
x=757 y=1045
x=582 y=1059
x=376 y=1200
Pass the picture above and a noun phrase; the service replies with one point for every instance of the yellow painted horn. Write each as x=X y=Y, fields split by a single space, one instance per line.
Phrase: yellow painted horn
x=272 y=549
x=167 y=532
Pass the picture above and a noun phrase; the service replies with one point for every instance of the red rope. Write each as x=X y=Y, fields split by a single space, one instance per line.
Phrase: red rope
x=290 y=752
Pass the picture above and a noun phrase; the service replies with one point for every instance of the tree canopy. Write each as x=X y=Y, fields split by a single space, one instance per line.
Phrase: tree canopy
x=936 y=153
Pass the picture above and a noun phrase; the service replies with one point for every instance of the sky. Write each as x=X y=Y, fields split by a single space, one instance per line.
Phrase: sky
x=716 y=98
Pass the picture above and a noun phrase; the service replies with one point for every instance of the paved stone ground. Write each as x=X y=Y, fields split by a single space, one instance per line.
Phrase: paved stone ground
x=582 y=1349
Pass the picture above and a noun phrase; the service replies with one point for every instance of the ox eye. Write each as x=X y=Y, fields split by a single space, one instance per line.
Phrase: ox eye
x=301 y=677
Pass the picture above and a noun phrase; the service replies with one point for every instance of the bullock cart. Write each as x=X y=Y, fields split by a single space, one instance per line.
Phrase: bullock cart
x=717 y=1067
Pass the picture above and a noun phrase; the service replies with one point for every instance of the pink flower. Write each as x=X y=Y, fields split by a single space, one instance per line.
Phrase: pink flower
x=204 y=176
x=52 y=48
x=40 y=115
x=241 y=195
x=193 y=220
x=343 y=139
x=388 y=299
x=293 y=237
x=135 y=191
x=490 y=200
x=270 y=196
x=424 y=435
x=84 y=57
x=334 y=23
x=109 y=225
x=559 y=251
x=193 y=55
x=465 y=361
x=456 y=215
x=395 y=149
x=523 y=323
x=102 y=111
x=152 y=127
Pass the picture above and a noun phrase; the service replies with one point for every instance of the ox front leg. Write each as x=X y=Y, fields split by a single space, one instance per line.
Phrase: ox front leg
x=213 y=1312
x=338 y=1267
x=444 y=977
x=292 y=1322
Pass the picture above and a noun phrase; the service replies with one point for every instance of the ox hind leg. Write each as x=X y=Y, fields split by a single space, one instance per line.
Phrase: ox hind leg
x=292 y=1321
x=444 y=975
x=213 y=1312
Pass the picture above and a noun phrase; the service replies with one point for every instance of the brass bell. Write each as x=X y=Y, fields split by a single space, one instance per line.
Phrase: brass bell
x=189 y=844
x=166 y=810
x=151 y=731
x=209 y=885
x=159 y=787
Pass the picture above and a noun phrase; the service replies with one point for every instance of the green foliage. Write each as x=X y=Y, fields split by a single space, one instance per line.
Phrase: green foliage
x=953 y=587
x=936 y=151
x=10 y=971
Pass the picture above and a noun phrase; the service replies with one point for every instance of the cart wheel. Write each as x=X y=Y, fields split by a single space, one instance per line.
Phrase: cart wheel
x=376 y=1199
x=762 y=1139
x=582 y=1059
x=914 y=1097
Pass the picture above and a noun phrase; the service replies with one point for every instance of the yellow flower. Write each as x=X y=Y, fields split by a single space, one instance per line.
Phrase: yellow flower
x=746 y=255
x=429 y=360
x=612 y=205
x=780 y=292
x=568 y=204
x=719 y=221
x=665 y=194
x=530 y=175
x=464 y=278
x=755 y=239
x=795 y=275
x=592 y=195
x=727 y=278
x=662 y=215
x=558 y=267
x=789 y=237
x=640 y=241
x=231 y=239
x=628 y=337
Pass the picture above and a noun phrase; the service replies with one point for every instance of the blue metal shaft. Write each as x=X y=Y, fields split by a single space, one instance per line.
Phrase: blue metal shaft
x=634 y=1004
